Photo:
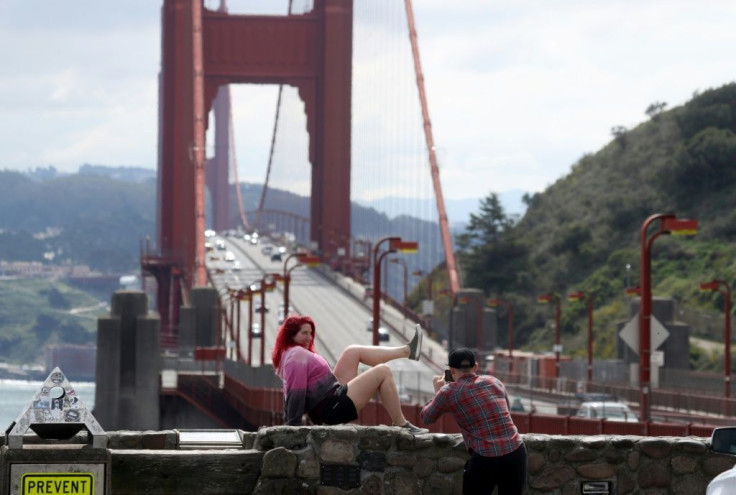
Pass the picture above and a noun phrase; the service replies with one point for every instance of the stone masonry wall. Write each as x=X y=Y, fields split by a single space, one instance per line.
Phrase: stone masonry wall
x=386 y=460
x=395 y=463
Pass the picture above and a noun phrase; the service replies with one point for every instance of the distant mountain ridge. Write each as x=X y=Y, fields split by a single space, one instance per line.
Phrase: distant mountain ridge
x=458 y=210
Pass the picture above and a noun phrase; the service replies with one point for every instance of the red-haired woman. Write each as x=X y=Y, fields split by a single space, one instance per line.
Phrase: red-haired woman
x=336 y=396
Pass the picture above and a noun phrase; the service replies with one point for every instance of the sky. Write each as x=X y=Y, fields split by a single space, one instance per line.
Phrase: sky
x=518 y=90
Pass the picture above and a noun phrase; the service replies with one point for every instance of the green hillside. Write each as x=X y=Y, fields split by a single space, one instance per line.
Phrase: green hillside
x=37 y=313
x=582 y=232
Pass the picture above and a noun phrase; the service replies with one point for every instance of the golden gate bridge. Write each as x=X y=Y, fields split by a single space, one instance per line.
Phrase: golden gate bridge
x=342 y=133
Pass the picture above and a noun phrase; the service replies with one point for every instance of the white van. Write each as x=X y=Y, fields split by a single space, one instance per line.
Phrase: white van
x=610 y=411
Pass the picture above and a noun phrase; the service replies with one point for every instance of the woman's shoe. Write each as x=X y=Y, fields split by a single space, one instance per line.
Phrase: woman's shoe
x=414 y=430
x=415 y=345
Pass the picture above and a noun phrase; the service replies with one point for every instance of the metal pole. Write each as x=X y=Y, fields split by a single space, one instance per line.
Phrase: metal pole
x=250 y=326
x=590 y=339
x=645 y=316
x=727 y=351
x=479 y=327
x=287 y=280
x=237 y=331
x=557 y=337
x=511 y=336
x=377 y=285
x=263 y=319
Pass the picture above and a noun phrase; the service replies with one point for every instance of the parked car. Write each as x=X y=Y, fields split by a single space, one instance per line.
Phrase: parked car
x=256 y=330
x=610 y=411
x=283 y=314
x=723 y=440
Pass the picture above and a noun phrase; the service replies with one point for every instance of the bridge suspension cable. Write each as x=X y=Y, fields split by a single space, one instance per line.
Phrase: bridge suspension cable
x=444 y=226
x=231 y=139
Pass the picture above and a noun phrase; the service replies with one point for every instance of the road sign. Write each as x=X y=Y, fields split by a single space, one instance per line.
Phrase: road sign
x=58 y=483
x=630 y=334
x=657 y=358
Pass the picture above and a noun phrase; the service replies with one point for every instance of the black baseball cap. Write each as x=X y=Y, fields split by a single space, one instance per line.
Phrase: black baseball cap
x=461 y=358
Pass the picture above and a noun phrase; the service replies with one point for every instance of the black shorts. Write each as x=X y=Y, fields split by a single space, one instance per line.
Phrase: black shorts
x=334 y=409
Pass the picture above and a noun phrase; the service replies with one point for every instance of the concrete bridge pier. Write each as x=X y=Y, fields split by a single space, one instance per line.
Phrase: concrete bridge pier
x=127 y=371
x=198 y=320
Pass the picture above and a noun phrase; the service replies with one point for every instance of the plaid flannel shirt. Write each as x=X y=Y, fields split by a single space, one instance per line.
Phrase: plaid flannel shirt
x=480 y=407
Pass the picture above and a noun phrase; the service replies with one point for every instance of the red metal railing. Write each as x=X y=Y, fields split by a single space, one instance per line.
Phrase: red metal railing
x=264 y=407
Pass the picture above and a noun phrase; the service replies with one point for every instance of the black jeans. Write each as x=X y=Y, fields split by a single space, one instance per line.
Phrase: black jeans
x=508 y=472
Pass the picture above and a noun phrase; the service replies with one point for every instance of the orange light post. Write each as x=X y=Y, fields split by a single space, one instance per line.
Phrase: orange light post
x=554 y=298
x=303 y=259
x=714 y=286
x=247 y=295
x=268 y=284
x=510 y=314
x=668 y=224
x=402 y=262
x=580 y=296
x=395 y=244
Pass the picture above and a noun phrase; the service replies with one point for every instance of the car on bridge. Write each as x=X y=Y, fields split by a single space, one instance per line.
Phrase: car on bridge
x=723 y=440
x=610 y=411
x=383 y=333
x=283 y=314
x=255 y=329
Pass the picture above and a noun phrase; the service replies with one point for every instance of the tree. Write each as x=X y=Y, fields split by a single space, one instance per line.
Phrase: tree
x=492 y=258
x=655 y=109
x=619 y=133
x=486 y=226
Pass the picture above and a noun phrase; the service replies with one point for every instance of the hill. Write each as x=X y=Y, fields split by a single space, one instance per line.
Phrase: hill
x=583 y=231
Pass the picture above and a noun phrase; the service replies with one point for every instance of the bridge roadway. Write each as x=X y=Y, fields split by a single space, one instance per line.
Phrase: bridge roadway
x=335 y=303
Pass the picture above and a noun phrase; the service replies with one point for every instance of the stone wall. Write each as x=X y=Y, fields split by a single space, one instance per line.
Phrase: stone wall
x=385 y=460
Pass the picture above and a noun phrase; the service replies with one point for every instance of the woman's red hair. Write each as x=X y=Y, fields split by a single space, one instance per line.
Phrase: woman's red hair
x=285 y=337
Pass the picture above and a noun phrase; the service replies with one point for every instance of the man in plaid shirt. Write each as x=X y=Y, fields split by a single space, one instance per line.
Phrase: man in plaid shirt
x=480 y=406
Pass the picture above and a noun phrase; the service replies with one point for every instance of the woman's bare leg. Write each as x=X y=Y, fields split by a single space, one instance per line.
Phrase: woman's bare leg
x=347 y=365
x=377 y=379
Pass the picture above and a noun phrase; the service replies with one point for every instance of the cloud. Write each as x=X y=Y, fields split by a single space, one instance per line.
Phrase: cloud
x=517 y=91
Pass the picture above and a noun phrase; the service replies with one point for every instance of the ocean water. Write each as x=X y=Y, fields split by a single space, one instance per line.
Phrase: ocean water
x=15 y=395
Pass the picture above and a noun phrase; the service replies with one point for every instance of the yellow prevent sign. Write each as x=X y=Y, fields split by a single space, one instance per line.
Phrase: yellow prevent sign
x=57 y=484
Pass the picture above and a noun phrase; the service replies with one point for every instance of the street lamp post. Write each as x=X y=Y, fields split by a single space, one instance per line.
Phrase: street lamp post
x=548 y=298
x=267 y=284
x=303 y=259
x=510 y=314
x=668 y=224
x=580 y=296
x=714 y=286
x=247 y=295
x=402 y=262
x=395 y=244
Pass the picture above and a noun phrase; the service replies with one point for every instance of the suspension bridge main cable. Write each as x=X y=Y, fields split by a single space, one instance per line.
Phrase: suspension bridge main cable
x=442 y=212
x=231 y=138
x=262 y=201
x=231 y=143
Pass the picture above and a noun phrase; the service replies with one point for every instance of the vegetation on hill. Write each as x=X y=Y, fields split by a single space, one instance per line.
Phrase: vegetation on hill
x=37 y=313
x=578 y=235
x=584 y=230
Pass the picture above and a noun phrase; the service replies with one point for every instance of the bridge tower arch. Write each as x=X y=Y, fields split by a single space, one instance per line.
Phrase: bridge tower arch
x=204 y=50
